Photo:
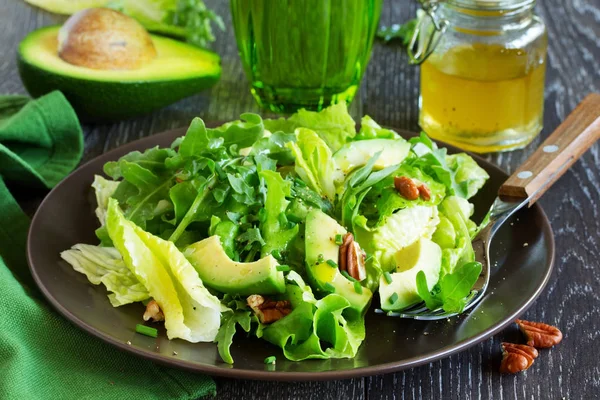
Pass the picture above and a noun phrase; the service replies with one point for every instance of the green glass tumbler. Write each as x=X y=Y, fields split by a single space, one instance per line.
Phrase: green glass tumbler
x=304 y=53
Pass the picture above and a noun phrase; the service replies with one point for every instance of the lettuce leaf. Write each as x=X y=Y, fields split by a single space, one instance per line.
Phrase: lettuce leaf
x=315 y=329
x=191 y=312
x=104 y=265
x=383 y=200
x=459 y=173
x=275 y=228
x=333 y=124
x=103 y=189
x=468 y=174
x=369 y=129
x=314 y=162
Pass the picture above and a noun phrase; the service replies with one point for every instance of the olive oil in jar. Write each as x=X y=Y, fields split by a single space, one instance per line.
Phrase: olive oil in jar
x=482 y=97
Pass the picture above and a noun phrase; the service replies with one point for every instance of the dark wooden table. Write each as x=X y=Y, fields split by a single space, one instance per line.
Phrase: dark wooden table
x=389 y=94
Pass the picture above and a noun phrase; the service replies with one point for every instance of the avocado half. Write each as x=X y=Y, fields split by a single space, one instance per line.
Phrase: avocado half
x=179 y=70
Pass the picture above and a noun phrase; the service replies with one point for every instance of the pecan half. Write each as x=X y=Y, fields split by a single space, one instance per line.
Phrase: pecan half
x=540 y=335
x=153 y=312
x=356 y=262
x=406 y=187
x=268 y=311
x=424 y=192
x=343 y=251
x=352 y=258
x=516 y=357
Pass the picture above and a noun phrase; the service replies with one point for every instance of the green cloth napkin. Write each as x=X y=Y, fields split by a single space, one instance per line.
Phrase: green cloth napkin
x=43 y=356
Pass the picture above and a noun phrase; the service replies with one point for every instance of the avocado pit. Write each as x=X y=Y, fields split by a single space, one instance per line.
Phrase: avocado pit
x=101 y=38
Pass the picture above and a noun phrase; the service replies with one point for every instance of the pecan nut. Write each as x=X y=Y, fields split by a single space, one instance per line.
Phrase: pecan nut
x=424 y=192
x=268 y=311
x=153 y=312
x=343 y=251
x=516 y=357
x=539 y=334
x=352 y=258
x=406 y=187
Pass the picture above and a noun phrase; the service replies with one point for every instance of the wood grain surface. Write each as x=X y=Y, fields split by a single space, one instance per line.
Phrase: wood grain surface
x=389 y=94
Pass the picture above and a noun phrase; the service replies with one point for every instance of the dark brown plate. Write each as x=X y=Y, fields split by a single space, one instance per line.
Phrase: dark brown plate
x=66 y=217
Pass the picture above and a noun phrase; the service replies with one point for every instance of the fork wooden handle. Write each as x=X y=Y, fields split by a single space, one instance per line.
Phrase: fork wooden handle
x=567 y=143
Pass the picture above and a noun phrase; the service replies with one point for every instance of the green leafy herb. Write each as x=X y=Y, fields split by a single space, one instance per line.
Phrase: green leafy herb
x=401 y=32
x=224 y=337
x=452 y=290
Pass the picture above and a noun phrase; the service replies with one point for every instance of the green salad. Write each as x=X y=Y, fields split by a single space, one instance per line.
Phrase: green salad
x=286 y=228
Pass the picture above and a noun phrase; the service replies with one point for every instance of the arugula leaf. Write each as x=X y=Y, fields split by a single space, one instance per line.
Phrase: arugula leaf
x=459 y=173
x=275 y=228
x=190 y=215
x=452 y=290
x=243 y=132
x=402 y=32
x=275 y=147
x=224 y=338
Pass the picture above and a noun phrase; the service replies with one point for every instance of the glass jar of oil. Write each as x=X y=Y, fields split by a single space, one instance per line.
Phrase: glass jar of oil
x=482 y=83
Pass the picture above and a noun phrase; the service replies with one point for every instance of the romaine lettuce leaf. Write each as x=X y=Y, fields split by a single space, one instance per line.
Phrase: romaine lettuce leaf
x=105 y=265
x=191 y=312
x=104 y=189
x=275 y=228
x=314 y=163
x=454 y=208
x=241 y=133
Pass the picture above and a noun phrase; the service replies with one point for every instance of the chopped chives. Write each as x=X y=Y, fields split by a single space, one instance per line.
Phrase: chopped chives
x=332 y=263
x=393 y=298
x=339 y=240
x=329 y=287
x=270 y=360
x=357 y=287
x=146 y=330
x=320 y=258
x=299 y=182
x=283 y=268
x=387 y=277
x=276 y=253
x=347 y=276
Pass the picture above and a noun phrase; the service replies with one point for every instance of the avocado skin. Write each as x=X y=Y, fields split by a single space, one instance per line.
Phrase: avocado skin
x=102 y=101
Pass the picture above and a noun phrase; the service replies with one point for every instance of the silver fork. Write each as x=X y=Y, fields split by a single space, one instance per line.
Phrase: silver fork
x=567 y=143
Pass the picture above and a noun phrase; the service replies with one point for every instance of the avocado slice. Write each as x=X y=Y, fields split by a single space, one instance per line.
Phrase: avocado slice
x=423 y=255
x=320 y=234
x=179 y=70
x=221 y=273
x=355 y=154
